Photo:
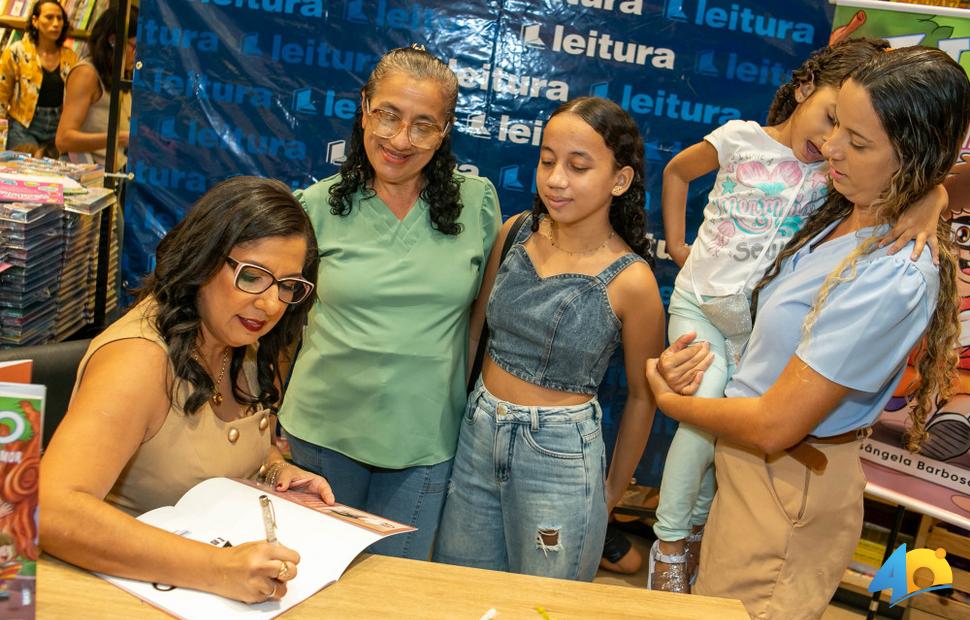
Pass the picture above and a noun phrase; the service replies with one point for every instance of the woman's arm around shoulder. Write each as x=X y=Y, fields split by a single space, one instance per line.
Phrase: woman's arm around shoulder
x=636 y=302
x=122 y=400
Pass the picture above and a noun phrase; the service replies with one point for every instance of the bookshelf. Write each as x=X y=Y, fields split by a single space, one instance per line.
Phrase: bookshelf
x=81 y=15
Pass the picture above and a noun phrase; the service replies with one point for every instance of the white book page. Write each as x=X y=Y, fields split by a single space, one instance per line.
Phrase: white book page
x=221 y=510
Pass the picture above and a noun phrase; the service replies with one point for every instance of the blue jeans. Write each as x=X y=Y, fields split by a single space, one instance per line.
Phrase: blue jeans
x=413 y=495
x=42 y=128
x=528 y=493
x=687 y=487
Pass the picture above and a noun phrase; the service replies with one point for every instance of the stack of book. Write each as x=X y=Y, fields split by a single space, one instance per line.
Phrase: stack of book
x=79 y=272
x=32 y=243
x=50 y=234
x=88 y=175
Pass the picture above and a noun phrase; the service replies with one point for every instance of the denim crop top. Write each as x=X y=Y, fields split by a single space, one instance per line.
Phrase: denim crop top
x=557 y=332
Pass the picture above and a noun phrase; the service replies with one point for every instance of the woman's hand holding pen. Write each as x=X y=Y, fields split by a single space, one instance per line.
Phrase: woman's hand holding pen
x=254 y=572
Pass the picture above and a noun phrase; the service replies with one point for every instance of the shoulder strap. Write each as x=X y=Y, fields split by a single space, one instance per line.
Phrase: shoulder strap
x=483 y=338
x=514 y=231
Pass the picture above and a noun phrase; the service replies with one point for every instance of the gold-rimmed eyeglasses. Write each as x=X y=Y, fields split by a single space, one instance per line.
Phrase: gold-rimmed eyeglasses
x=256 y=280
x=420 y=134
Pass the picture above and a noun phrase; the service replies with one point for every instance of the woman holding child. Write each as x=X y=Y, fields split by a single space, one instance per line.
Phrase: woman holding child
x=796 y=484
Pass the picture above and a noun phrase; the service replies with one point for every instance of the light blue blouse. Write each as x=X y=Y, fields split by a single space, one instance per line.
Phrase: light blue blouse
x=862 y=335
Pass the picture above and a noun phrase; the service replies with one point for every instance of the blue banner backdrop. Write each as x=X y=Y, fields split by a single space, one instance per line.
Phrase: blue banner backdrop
x=271 y=87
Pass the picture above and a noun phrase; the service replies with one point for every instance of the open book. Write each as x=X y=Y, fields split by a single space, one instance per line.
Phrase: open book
x=226 y=512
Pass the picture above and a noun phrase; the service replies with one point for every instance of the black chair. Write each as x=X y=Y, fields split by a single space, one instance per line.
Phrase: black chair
x=55 y=365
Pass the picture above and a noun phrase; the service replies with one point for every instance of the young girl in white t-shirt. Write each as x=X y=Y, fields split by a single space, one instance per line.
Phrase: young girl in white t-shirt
x=769 y=180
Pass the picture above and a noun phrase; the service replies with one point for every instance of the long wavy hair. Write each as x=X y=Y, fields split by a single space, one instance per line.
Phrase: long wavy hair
x=101 y=43
x=236 y=211
x=827 y=66
x=922 y=99
x=32 y=31
x=622 y=137
x=441 y=190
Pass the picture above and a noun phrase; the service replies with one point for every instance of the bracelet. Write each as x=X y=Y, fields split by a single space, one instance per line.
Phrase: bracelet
x=272 y=473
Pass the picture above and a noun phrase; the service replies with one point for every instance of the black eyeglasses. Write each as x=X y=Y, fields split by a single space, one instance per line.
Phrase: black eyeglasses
x=256 y=280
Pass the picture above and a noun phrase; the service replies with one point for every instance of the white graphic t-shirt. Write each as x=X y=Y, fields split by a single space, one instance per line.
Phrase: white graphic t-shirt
x=761 y=197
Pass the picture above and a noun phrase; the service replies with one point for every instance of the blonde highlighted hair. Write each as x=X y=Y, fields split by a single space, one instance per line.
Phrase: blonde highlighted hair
x=922 y=99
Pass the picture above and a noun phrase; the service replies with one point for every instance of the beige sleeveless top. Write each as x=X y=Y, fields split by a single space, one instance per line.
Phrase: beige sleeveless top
x=187 y=449
x=97 y=121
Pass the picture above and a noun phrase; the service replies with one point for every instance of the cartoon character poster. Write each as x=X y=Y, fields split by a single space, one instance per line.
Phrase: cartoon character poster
x=940 y=472
x=21 y=413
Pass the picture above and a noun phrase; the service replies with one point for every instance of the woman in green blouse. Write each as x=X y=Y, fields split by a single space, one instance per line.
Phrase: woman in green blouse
x=377 y=392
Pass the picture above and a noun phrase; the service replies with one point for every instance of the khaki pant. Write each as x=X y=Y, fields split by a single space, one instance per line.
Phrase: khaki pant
x=779 y=537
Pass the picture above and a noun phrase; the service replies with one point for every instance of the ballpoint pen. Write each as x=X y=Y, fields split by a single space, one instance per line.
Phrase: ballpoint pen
x=269 y=518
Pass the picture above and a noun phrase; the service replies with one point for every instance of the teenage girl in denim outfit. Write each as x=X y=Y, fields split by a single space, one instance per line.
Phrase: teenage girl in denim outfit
x=528 y=492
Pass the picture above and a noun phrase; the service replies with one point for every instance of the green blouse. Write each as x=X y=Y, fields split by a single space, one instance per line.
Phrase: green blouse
x=381 y=375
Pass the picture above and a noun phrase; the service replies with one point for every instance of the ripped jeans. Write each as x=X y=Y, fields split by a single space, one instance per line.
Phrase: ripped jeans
x=527 y=491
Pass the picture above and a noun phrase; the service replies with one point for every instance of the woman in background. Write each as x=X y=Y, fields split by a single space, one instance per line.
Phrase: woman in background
x=32 y=75
x=83 y=129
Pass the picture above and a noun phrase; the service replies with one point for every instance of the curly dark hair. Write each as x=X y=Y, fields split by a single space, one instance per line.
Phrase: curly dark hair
x=101 y=44
x=32 y=31
x=236 y=211
x=442 y=188
x=827 y=66
x=622 y=137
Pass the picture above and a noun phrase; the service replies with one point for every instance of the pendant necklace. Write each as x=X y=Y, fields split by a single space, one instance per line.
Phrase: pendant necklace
x=216 y=397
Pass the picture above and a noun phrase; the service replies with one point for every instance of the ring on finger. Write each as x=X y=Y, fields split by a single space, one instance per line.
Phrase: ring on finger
x=272 y=594
x=283 y=572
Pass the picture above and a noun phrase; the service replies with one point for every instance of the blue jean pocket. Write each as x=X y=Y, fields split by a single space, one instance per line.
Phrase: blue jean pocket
x=561 y=441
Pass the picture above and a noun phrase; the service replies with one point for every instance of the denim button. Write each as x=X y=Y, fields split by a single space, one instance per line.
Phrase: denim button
x=501 y=410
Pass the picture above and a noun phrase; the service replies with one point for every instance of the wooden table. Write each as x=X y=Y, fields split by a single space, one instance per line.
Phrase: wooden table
x=383 y=587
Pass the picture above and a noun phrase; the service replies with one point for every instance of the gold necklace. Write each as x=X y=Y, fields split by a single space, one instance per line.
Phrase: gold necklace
x=549 y=236
x=216 y=394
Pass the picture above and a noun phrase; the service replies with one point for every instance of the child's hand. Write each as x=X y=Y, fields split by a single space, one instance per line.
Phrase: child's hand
x=679 y=253
x=919 y=223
